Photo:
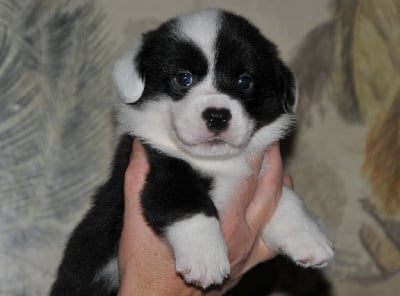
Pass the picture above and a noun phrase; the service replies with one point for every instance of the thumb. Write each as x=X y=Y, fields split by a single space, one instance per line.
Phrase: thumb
x=135 y=177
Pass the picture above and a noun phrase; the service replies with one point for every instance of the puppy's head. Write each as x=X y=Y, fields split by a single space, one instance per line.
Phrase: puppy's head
x=206 y=84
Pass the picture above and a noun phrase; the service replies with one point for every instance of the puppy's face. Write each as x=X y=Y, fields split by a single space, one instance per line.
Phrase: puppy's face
x=207 y=84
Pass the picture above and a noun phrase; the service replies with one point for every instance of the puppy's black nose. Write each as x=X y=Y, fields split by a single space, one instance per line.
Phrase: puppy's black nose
x=217 y=119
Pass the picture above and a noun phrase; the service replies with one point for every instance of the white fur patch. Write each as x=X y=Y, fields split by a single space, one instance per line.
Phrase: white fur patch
x=271 y=133
x=109 y=274
x=151 y=123
x=200 y=251
x=192 y=132
x=126 y=77
x=201 y=27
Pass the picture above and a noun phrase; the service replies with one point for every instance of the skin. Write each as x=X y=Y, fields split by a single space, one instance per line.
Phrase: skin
x=146 y=262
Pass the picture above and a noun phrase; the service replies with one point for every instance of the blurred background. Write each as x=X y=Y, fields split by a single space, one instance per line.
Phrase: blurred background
x=57 y=131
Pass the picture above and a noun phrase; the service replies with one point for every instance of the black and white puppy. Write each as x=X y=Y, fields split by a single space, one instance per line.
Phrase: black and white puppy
x=205 y=92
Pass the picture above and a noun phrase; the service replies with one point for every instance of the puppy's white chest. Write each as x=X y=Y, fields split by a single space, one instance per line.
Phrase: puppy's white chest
x=226 y=179
x=223 y=190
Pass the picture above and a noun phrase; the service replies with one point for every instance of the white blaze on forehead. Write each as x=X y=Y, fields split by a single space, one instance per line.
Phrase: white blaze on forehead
x=201 y=28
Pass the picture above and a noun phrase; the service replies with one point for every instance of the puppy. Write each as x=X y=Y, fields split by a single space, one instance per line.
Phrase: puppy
x=204 y=92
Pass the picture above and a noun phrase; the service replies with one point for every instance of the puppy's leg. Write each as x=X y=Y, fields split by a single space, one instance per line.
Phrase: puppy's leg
x=200 y=251
x=293 y=232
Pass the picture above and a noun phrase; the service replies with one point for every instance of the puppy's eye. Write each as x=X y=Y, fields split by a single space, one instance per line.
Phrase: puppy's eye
x=184 y=79
x=245 y=82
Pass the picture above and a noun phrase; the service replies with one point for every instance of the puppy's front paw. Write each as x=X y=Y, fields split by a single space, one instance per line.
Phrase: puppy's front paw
x=305 y=244
x=308 y=248
x=292 y=231
x=205 y=266
x=200 y=251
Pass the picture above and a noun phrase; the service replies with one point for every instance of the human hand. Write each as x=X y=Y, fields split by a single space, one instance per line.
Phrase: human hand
x=146 y=262
x=251 y=207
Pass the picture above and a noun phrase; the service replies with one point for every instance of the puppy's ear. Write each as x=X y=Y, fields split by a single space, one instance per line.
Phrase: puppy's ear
x=127 y=79
x=288 y=85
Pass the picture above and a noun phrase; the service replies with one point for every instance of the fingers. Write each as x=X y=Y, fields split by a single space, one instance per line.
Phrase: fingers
x=268 y=191
x=288 y=181
x=256 y=163
x=135 y=176
x=136 y=234
x=136 y=173
x=144 y=258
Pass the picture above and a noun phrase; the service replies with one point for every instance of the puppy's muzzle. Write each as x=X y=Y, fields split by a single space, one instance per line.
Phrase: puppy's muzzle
x=217 y=119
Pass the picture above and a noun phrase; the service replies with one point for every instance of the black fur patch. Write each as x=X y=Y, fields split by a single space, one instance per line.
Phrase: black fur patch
x=163 y=55
x=258 y=57
x=174 y=191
